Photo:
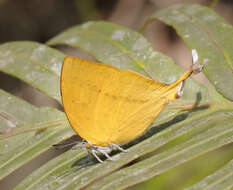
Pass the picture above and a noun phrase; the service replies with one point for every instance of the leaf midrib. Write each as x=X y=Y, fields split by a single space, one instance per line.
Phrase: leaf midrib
x=219 y=180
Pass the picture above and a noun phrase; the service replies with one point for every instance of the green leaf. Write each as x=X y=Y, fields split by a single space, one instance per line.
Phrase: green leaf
x=126 y=49
x=185 y=130
x=221 y=179
x=34 y=63
x=216 y=134
x=83 y=173
x=48 y=173
x=20 y=149
x=202 y=29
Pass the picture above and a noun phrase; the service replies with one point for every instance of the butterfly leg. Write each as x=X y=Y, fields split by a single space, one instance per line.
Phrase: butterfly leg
x=105 y=153
x=116 y=146
x=94 y=153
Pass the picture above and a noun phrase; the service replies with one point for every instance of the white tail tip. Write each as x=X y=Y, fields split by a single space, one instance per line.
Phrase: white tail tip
x=195 y=56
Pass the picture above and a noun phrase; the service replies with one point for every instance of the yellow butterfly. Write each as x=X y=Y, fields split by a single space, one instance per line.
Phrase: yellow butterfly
x=109 y=107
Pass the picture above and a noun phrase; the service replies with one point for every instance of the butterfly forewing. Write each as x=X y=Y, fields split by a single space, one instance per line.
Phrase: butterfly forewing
x=106 y=105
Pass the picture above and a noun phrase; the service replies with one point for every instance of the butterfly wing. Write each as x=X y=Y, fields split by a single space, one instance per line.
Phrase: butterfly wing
x=106 y=105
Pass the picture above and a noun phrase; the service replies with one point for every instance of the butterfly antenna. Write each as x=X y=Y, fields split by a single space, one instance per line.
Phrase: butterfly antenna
x=75 y=145
x=80 y=146
x=64 y=145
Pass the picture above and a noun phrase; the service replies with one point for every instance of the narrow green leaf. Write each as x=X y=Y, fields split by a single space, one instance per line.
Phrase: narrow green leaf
x=18 y=150
x=217 y=135
x=48 y=172
x=82 y=173
x=221 y=179
x=126 y=49
x=204 y=30
x=34 y=63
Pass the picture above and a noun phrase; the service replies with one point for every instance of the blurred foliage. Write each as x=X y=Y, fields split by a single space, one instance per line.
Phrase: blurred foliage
x=87 y=9
x=189 y=173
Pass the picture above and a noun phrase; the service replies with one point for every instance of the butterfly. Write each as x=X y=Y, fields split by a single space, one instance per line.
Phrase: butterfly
x=109 y=107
